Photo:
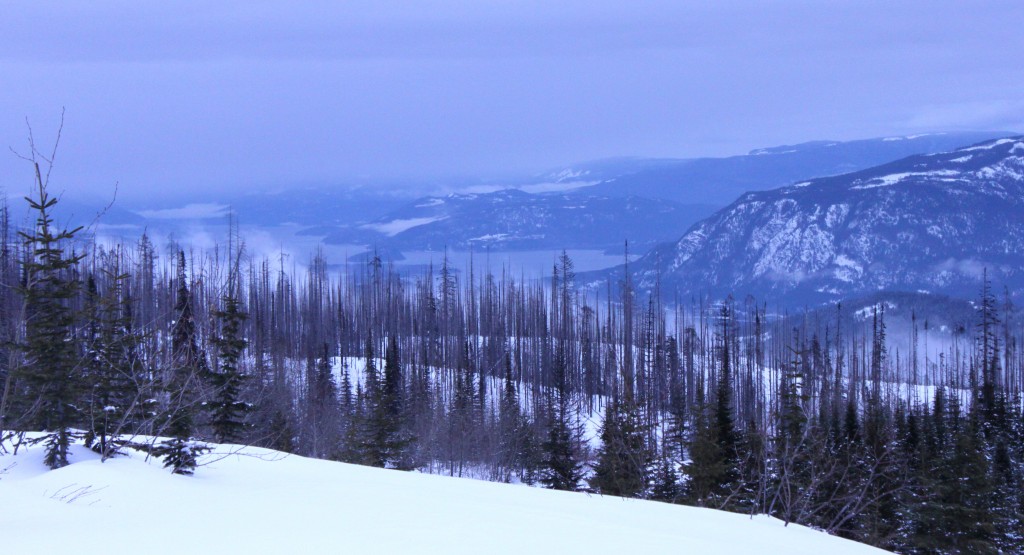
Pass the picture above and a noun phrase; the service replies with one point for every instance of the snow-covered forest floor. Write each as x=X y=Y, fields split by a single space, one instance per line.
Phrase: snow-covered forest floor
x=249 y=500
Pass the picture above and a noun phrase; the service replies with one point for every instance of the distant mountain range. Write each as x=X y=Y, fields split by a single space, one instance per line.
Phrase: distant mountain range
x=595 y=205
x=930 y=223
x=719 y=181
x=515 y=220
x=601 y=204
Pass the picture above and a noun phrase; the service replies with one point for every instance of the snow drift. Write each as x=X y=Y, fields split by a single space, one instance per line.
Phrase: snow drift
x=249 y=500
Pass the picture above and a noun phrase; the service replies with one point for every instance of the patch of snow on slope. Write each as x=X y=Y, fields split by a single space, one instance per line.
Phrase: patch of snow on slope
x=847 y=269
x=570 y=173
x=988 y=146
x=894 y=178
x=491 y=237
x=911 y=137
x=250 y=500
x=394 y=227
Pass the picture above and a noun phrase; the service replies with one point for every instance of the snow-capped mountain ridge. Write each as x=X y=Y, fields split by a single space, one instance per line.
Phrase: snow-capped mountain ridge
x=930 y=222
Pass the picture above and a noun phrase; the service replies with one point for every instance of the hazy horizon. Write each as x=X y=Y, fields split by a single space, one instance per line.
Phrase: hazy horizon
x=197 y=100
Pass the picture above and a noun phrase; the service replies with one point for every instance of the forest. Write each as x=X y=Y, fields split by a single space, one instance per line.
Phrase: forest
x=490 y=374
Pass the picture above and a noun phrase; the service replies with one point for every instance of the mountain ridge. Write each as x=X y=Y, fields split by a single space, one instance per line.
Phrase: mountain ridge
x=931 y=222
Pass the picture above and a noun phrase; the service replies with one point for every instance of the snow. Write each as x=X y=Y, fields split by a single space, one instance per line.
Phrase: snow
x=910 y=137
x=894 y=178
x=491 y=237
x=987 y=146
x=249 y=500
x=394 y=227
x=847 y=269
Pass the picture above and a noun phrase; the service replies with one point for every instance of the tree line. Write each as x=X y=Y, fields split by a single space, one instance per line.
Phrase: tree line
x=483 y=373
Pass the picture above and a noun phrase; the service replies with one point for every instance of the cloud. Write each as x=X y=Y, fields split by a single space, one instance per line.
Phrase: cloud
x=197 y=100
x=997 y=114
x=199 y=211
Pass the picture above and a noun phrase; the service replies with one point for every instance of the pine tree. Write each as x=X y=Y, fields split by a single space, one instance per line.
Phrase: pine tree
x=182 y=385
x=371 y=408
x=623 y=462
x=392 y=426
x=114 y=366
x=706 y=467
x=666 y=485
x=563 y=469
x=322 y=411
x=51 y=370
x=512 y=426
x=464 y=419
x=226 y=408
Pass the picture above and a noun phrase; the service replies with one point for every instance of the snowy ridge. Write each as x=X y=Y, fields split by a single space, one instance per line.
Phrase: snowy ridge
x=928 y=222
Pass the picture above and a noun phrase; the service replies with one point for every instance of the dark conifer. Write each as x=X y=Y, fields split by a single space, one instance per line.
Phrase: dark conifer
x=51 y=371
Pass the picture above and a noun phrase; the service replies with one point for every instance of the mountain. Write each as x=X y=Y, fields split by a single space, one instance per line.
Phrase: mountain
x=931 y=223
x=592 y=205
x=515 y=220
x=718 y=181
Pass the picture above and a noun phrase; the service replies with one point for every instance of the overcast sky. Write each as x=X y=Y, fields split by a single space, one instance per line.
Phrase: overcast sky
x=183 y=97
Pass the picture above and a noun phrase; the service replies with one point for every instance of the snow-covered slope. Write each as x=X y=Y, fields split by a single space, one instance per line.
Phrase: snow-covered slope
x=258 y=501
x=924 y=223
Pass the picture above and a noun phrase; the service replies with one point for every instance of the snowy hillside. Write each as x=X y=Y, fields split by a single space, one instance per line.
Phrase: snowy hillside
x=259 y=501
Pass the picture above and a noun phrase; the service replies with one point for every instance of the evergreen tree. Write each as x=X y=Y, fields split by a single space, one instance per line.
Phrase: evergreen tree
x=706 y=469
x=666 y=485
x=623 y=462
x=227 y=410
x=392 y=432
x=51 y=369
x=114 y=366
x=322 y=412
x=563 y=469
x=464 y=423
x=182 y=384
x=513 y=429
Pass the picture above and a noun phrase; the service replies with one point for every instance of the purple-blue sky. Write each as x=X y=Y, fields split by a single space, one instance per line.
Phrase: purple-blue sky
x=205 y=97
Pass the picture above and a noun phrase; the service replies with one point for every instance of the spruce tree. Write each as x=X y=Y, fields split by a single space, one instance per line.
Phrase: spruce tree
x=114 y=365
x=51 y=371
x=390 y=422
x=227 y=410
x=512 y=427
x=624 y=460
x=563 y=469
x=182 y=385
x=706 y=467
